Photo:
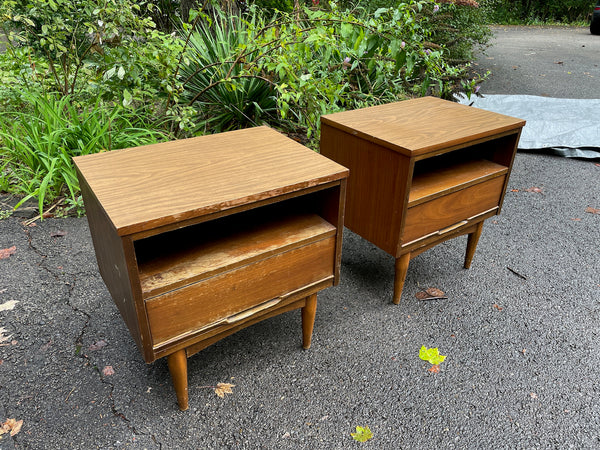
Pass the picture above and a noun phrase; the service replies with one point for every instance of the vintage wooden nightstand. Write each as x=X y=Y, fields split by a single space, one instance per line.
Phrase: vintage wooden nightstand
x=199 y=238
x=421 y=171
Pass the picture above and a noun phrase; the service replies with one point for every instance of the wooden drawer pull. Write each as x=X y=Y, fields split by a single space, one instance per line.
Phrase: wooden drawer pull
x=252 y=311
x=453 y=227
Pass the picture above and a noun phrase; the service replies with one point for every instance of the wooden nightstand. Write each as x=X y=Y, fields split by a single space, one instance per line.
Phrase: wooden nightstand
x=199 y=238
x=421 y=171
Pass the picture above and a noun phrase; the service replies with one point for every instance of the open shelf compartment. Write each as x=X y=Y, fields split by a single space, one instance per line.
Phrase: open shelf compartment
x=178 y=258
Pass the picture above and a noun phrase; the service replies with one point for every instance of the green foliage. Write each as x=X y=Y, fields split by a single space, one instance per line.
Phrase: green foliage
x=225 y=94
x=272 y=5
x=37 y=147
x=323 y=62
x=459 y=29
x=432 y=355
x=363 y=434
x=537 y=11
x=87 y=49
x=81 y=76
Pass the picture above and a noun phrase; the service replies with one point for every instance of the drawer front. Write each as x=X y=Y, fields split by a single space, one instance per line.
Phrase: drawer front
x=451 y=209
x=186 y=310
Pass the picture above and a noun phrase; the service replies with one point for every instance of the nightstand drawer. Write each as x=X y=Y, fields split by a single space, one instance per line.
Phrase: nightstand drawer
x=451 y=209
x=220 y=299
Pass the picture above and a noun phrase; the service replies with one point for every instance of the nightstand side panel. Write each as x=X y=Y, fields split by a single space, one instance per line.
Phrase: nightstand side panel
x=112 y=262
x=377 y=190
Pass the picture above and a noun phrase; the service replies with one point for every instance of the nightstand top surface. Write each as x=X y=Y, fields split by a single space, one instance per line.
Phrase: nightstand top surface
x=146 y=187
x=422 y=125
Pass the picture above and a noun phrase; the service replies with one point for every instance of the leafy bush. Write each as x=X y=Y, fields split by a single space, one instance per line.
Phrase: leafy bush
x=87 y=49
x=80 y=76
x=536 y=11
x=323 y=62
x=224 y=95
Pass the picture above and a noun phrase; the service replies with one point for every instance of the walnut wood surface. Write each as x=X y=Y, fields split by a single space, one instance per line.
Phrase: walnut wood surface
x=155 y=185
x=376 y=188
x=422 y=125
x=212 y=301
x=421 y=171
x=450 y=209
x=179 y=258
x=429 y=185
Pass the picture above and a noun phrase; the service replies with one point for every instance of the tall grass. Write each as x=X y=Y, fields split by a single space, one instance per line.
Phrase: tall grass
x=37 y=146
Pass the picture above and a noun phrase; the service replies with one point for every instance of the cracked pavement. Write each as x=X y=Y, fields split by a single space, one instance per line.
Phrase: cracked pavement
x=520 y=331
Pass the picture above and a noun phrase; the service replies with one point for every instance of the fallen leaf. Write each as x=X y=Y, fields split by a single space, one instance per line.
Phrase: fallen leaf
x=224 y=388
x=6 y=252
x=534 y=189
x=591 y=210
x=432 y=355
x=58 y=233
x=7 y=306
x=499 y=308
x=98 y=345
x=430 y=294
x=362 y=434
x=514 y=190
x=11 y=426
x=434 y=368
x=108 y=371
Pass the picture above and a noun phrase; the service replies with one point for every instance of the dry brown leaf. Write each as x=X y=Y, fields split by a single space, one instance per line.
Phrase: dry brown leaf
x=435 y=368
x=499 y=308
x=6 y=252
x=430 y=294
x=97 y=345
x=591 y=210
x=534 y=189
x=224 y=388
x=11 y=426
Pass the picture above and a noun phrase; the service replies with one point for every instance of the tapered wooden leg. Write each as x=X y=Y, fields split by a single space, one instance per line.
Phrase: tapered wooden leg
x=178 y=368
x=472 y=245
x=309 y=312
x=401 y=270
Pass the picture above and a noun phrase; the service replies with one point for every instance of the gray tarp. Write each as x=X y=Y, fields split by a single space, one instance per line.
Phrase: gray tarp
x=563 y=126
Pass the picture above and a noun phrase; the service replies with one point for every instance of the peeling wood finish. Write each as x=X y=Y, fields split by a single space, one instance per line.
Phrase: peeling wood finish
x=199 y=238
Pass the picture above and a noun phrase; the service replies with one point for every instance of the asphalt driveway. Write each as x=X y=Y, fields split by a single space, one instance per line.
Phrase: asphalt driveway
x=520 y=331
x=561 y=62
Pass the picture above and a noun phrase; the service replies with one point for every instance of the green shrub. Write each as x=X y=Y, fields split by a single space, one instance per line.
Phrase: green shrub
x=537 y=11
x=216 y=83
x=88 y=49
x=323 y=62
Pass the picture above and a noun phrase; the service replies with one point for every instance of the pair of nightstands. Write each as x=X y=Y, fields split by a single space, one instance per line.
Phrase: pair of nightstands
x=199 y=238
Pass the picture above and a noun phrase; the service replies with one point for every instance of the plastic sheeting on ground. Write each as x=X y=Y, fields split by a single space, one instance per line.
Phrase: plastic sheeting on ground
x=562 y=126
